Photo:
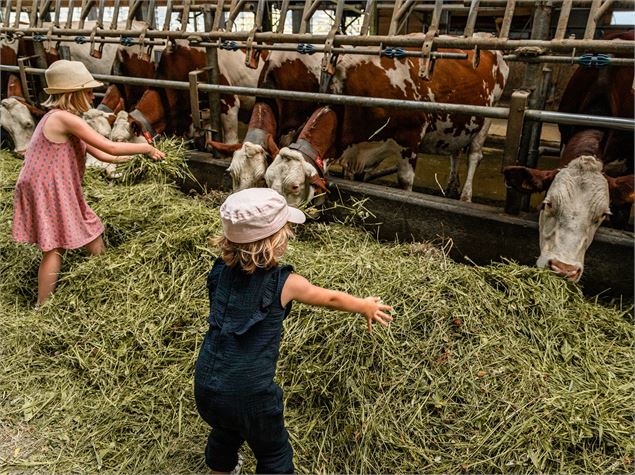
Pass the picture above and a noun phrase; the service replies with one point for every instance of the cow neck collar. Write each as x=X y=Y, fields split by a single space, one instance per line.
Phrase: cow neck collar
x=256 y=136
x=138 y=115
x=310 y=154
x=105 y=108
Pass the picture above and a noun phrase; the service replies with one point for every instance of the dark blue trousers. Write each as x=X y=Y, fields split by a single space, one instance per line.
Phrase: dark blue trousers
x=259 y=421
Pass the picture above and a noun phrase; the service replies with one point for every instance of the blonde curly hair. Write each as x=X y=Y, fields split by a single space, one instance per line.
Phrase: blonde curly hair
x=264 y=254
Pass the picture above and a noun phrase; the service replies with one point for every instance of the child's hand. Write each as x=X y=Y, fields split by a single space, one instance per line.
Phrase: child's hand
x=155 y=154
x=374 y=312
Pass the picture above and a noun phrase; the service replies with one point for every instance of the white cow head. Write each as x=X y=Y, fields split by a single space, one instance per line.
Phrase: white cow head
x=121 y=131
x=292 y=176
x=17 y=120
x=248 y=167
x=575 y=205
x=99 y=121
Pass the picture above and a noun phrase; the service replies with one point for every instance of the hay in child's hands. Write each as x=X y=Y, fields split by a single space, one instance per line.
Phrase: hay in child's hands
x=173 y=168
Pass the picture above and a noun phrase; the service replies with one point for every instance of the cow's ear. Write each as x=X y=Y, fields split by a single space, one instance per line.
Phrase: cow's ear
x=36 y=111
x=226 y=149
x=111 y=118
x=319 y=184
x=271 y=146
x=528 y=180
x=621 y=190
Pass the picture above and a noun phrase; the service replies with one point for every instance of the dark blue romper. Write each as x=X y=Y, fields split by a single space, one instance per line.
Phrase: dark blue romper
x=233 y=383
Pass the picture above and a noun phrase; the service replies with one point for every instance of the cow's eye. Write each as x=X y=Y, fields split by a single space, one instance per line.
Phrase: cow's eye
x=294 y=188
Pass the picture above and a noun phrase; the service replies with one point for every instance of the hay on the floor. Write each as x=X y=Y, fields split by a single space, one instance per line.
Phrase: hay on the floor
x=503 y=368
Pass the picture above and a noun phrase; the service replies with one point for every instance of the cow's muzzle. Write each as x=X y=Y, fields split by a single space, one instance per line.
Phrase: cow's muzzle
x=570 y=271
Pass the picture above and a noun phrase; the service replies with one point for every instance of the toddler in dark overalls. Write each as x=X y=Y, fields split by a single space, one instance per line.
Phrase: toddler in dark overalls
x=250 y=295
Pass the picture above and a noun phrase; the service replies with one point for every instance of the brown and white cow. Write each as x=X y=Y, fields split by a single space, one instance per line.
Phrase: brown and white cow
x=274 y=122
x=168 y=110
x=368 y=135
x=576 y=203
x=17 y=116
x=251 y=158
x=298 y=171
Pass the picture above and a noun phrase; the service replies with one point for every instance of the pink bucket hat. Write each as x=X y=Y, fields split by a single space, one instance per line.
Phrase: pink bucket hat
x=256 y=213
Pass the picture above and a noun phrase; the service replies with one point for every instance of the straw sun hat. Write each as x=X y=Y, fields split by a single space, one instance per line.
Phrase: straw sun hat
x=68 y=76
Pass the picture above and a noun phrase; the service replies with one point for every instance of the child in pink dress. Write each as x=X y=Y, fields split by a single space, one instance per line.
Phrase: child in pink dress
x=49 y=208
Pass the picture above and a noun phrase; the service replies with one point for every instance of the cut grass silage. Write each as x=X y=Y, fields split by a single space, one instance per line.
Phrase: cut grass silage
x=491 y=369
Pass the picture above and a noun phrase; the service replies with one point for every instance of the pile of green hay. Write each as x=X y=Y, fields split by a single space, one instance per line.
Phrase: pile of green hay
x=502 y=368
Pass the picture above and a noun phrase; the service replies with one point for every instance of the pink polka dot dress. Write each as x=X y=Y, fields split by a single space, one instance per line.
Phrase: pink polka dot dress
x=49 y=208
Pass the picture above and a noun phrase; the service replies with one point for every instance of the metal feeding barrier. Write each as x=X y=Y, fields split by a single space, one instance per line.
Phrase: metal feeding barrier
x=548 y=42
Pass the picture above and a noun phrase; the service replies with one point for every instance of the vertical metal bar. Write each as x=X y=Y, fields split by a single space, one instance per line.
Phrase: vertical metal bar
x=33 y=14
x=309 y=9
x=603 y=9
x=194 y=101
x=284 y=8
x=168 y=15
x=591 y=24
x=185 y=15
x=534 y=81
x=23 y=78
x=260 y=10
x=234 y=9
x=517 y=107
x=507 y=19
x=536 y=130
x=436 y=15
x=394 y=19
x=150 y=14
x=212 y=78
x=100 y=13
x=471 y=19
x=87 y=5
x=7 y=13
x=218 y=15
x=339 y=9
x=115 y=14
x=69 y=17
x=369 y=12
x=563 y=20
x=43 y=12
x=18 y=13
x=56 y=17
x=133 y=7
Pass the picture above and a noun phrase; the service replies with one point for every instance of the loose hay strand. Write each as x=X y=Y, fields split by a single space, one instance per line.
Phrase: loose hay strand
x=501 y=368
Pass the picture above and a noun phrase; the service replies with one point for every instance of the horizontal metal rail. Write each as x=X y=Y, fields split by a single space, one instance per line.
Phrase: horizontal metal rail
x=435 y=107
x=580 y=119
x=564 y=45
x=563 y=59
x=554 y=3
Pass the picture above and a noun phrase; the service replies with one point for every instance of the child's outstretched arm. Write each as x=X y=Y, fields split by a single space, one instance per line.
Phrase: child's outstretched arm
x=106 y=157
x=70 y=124
x=298 y=288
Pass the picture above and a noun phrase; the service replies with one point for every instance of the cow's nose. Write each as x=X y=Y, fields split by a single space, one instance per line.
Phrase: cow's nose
x=21 y=153
x=570 y=271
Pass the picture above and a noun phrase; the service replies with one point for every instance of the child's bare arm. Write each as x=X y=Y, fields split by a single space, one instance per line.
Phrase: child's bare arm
x=106 y=157
x=74 y=125
x=298 y=288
